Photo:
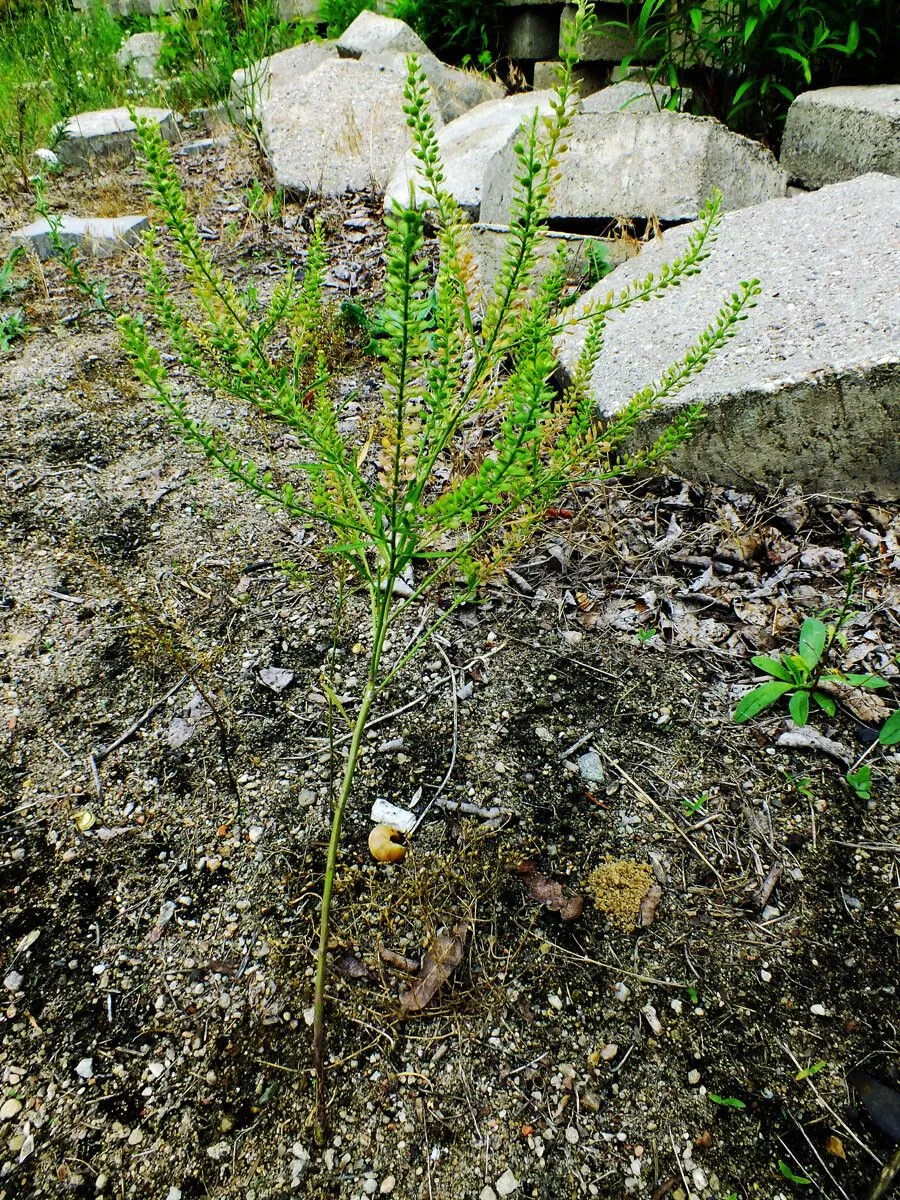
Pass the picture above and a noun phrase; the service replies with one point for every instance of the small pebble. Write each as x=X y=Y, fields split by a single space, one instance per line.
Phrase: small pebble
x=621 y=992
x=693 y=1078
x=13 y=981
x=136 y=1136
x=609 y=1051
x=818 y=1010
x=506 y=1184
x=554 y=1001
x=770 y=912
x=487 y=1193
x=572 y=1135
x=255 y=833
x=10 y=1108
x=85 y=1069
x=387 y=1185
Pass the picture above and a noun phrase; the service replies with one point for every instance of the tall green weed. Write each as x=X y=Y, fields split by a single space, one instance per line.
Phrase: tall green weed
x=53 y=62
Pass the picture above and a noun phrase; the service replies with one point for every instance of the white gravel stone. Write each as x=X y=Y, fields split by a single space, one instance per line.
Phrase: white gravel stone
x=13 y=981
x=10 y=1108
x=85 y=1068
x=387 y=1185
x=571 y=1135
x=506 y=1184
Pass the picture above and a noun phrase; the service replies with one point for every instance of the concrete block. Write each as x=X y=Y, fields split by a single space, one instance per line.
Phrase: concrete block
x=341 y=128
x=455 y=91
x=140 y=53
x=372 y=33
x=660 y=164
x=277 y=75
x=837 y=133
x=467 y=146
x=532 y=33
x=608 y=42
x=632 y=96
x=808 y=392
x=97 y=237
x=106 y=137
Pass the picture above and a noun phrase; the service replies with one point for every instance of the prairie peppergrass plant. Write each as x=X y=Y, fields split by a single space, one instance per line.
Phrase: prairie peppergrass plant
x=413 y=524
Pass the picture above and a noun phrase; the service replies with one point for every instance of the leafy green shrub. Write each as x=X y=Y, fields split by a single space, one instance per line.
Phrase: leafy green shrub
x=745 y=60
x=459 y=31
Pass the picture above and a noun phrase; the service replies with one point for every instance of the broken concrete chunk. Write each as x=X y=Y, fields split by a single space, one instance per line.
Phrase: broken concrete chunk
x=107 y=135
x=97 y=237
x=276 y=76
x=808 y=392
x=468 y=146
x=140 y=53
x=341 y=128
x=837 y=133
x=630 y=96
x=661 y=164
x=372 y=33
x=489 y=244
x=454 y=91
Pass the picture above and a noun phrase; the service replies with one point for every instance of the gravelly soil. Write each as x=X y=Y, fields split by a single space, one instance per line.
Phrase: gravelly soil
x=159 y=918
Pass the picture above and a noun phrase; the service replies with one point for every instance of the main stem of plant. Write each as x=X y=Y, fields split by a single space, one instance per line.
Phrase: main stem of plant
x=380 y=622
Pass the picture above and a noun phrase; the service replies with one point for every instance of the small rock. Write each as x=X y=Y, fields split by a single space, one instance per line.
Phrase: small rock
x=136 y=1136
x=698 y=1175
x=487 y=1193
x=155 y=1069
x=652 y=1019
x=555 y=1002
x=99 y=237
x=255 y=833
x=571 y=1135
x=621 y=992
x=818 y=1010
x=770 y=912
x=10 y=1108
x=609 y=1051
x=693 y=1077
x=85 y=1069
x=765 y=976
x=13 y=981
x=387 y=1185
x=590 y=767
x=276 y=678
x=174 y=1193
x=370 y=1185
x=506 y=1184
x=591 y=1102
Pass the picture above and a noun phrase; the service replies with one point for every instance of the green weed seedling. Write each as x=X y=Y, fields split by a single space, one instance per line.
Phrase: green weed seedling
x=791 y=1176
x=9 y=285
x=860 y=782
x=691 y=807
x=12 y=325
x=409 y=520
x=727 y=1101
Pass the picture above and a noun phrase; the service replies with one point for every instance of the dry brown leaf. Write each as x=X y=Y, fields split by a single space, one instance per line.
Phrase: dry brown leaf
x=551 y=893
x=441 y=959
x=650 y=904
x=351 y=967
x=835 y=1147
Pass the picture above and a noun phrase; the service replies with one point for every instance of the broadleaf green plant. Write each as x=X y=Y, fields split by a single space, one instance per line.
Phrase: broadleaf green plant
x=405 y=513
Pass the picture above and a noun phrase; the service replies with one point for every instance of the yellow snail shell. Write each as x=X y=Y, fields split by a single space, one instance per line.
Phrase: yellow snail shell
x=383 y=844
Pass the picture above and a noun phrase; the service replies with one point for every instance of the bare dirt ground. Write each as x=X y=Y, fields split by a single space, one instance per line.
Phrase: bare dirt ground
x=157 y=941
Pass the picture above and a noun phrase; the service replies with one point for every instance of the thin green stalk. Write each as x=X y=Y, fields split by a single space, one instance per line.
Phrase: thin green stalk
x=380 y=621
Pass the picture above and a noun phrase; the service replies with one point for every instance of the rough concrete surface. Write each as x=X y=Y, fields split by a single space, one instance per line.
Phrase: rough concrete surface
x=140 y=53
x=838 y=133
x=277 y=75
x=660 y=164
x=341 y=128
x=809 y=389
x=372 y=33
x=455 y=91
x=98 y=237
x=467 y=146
x=107 y=134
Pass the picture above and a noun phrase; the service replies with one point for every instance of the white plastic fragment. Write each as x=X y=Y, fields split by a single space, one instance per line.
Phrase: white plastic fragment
x=386 y=813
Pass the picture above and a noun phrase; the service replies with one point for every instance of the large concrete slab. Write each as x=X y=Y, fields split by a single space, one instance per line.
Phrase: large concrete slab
x=97 y=237
x=341 y=128
x=372 y=33
x=106 y=136
x=455 y=91
x=838 y=133
x=467 y=146
x=809 y=389
x=489 y=244
x=276 y=75
x=661 y=164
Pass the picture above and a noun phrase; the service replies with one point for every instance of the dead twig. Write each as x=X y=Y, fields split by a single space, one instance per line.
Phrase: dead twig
x=103 y=752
